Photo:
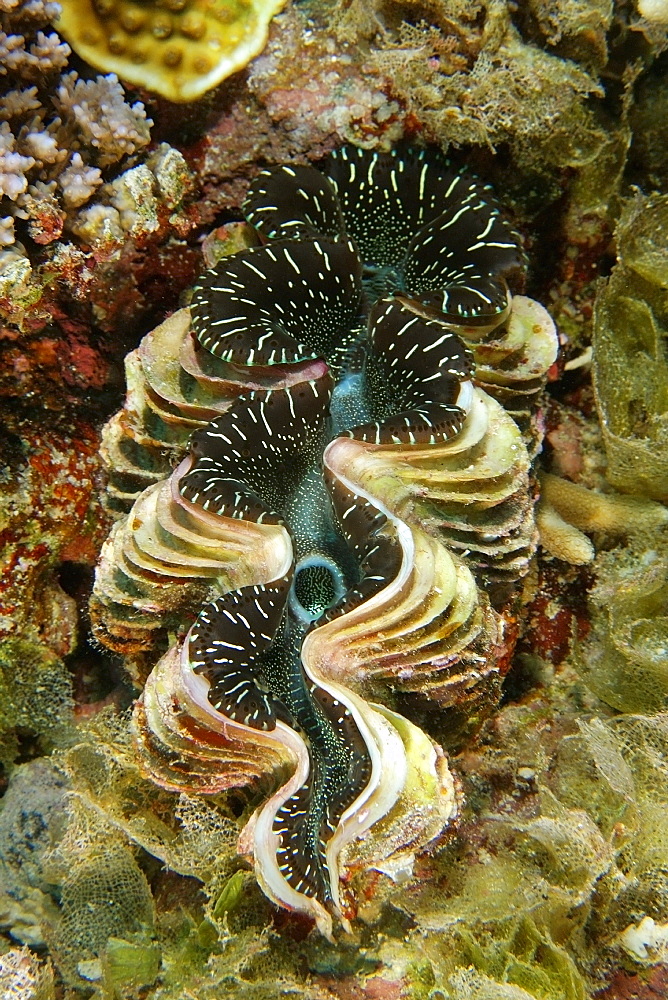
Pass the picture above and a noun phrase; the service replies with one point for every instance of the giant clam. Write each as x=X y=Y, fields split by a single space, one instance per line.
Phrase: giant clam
x=346 y=481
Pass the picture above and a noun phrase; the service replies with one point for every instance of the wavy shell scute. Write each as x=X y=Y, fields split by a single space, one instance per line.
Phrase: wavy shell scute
x=185 y=748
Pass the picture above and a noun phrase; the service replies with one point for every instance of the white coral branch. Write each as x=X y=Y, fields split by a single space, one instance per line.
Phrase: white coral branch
x=13 y=165
x=78 y=182
x=104 y=119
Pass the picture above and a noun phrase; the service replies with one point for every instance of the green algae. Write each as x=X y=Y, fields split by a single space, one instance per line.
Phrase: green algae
x=230 y=895
x=560 y=847
x=35 y=696
x=572 y=877
x=130 y=963
x=630 y=365
x=624 y=660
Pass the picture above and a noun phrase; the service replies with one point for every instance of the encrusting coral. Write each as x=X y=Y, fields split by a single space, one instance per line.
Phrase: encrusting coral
x=48 y=522
x=180 y=49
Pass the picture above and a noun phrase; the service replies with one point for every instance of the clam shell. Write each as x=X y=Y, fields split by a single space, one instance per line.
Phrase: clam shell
x=425 y=519
x=173 y=389
x=187 y=746
x=472 y=491
x=410 y=799
x=512 y=362
x=168 y=556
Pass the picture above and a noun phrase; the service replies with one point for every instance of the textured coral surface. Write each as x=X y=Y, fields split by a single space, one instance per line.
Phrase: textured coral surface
x=553 y=887
x=177 y=49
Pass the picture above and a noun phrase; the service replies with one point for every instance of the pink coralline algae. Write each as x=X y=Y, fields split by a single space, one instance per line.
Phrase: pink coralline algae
x=46 y=519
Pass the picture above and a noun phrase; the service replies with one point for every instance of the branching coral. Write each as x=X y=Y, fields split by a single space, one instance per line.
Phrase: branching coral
x=107 y=126
x=566 y=510
x=56 y=142
x=61 y=138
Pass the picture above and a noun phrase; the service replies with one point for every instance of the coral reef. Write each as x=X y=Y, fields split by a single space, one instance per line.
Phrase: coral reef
x=79 y=192
x=36 y=690
x=47 y=519
x=101 y=902
x=647 y=119
x=304 y=95
x=34 y=818
x=49 y=120
x=466 y=71
x=551 y=883
x=535 y=897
